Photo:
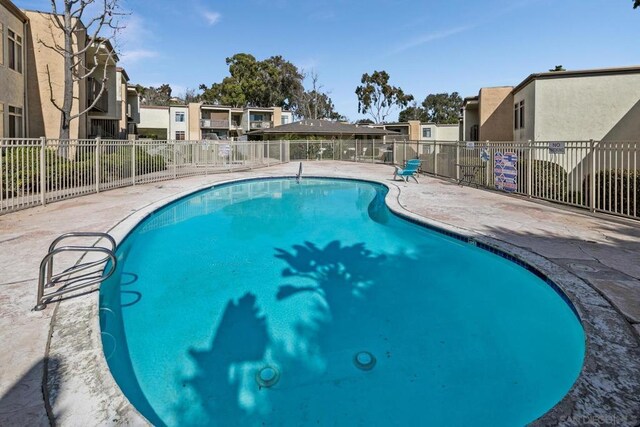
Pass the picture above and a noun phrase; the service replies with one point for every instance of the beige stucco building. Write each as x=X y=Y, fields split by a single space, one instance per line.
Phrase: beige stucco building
x=600 y=104
x=32 y=80
x=198 y=121
x=14 y=26
x=414 y=130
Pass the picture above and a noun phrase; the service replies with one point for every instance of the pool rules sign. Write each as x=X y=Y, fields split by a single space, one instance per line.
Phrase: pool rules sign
x=505 y=171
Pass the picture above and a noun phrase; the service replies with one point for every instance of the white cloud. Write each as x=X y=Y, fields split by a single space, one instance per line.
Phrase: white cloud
x=130 y=56
x=212 y=18
x=134 y=40
x=427 y=38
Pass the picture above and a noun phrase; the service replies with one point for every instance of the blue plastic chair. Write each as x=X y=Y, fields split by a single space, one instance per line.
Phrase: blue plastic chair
x=410 y=170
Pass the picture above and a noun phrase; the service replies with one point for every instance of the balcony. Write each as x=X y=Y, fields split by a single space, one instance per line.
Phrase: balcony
x=214 y=124
x=93 y=90
x=260 y=125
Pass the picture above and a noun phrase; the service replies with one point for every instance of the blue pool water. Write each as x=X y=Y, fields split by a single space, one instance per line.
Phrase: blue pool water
x=275 y=303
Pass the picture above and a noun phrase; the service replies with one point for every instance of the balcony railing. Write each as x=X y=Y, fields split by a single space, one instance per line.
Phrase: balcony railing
x=214 y=124
x=260 y=125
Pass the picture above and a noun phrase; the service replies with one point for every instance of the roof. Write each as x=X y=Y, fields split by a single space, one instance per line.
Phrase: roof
x=322 y=127
x=635 y=69
x=14 y=10
x=154 y=107
x=124 y=73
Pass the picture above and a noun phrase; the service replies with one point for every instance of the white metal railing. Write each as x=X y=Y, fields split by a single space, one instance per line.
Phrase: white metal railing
x=214 y=124
x=39 y=171
x=260 y=124
x=597 y=175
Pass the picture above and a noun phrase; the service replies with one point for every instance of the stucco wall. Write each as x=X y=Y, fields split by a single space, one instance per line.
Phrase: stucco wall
x=603 y=107
x=194 y=122
x=154 y=117
x=529 y=95
x=175 y=126
x=471 y=118
x=447 y=132
x=44 y=118
x=496 y=114
x=11 y=82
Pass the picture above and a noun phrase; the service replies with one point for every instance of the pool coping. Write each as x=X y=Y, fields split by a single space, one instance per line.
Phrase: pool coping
x=603 y=393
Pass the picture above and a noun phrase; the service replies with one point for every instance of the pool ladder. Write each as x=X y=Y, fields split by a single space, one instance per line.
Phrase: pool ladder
x=299 y=175
x=90 y=274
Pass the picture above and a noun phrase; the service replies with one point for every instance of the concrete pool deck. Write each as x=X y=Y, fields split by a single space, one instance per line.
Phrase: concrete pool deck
x=602 y=250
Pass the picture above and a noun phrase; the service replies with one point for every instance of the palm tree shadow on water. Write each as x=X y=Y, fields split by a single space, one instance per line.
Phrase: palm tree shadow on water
x=223 y=370
x=335 y=293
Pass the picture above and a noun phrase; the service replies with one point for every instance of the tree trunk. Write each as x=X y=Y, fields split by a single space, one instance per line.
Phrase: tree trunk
x=67 y=103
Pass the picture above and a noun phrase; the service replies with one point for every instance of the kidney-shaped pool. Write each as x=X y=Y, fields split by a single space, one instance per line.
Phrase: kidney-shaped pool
x=271 y=302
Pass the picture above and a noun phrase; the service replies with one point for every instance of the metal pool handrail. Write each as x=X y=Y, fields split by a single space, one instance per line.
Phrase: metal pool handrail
x=73 y=282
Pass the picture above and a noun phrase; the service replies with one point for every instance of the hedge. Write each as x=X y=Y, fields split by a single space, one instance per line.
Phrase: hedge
x=616 y=190
x=20 y=169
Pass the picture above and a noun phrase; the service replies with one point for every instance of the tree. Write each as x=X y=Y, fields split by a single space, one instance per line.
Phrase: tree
x=272 y=82
x=365 y=122
x=413 y=112
x=284 y=82
x=191 y=95
x=559 y=67
x=636 y=4
x=86 y=51
x=316 y=104
x=443 y=108
x=155 y=96
x=377 y=97
x=229 y=92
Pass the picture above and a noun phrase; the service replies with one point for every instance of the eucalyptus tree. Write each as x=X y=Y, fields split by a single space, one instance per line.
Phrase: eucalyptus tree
x=378 y=98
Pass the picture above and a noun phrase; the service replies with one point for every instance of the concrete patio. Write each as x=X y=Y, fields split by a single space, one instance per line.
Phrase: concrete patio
x=602 y=250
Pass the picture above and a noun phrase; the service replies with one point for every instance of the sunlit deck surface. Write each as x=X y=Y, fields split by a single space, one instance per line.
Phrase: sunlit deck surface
x=602 y=250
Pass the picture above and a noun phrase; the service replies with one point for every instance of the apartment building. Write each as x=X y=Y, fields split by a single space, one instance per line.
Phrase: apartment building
x=32 y=75
x=13 y=88
x=198 y=121
x=414 y=130
x=128 y=106
x=600 y=104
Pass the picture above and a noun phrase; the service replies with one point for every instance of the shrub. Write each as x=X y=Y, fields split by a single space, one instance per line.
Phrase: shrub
x=20 y=169
x=616 y=191
x=118 y=163
x=548 y=179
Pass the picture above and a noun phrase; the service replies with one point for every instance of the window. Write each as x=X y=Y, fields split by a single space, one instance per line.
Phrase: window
x=256 y=118
x=15 y=122
x=474 y=133
x=1 y=44
x=179 y=116
x=15 y=51
x=426 y=132
x=285 y=120
x=518 y=115
x=180 y=135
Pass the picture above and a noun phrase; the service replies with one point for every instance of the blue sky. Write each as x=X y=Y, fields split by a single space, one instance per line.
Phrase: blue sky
x=426 y=46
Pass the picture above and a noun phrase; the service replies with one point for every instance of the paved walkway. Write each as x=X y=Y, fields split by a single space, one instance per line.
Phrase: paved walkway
x=603 y=250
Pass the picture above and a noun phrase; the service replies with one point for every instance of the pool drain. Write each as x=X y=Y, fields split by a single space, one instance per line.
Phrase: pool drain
x=267 y=376
x=364 y=360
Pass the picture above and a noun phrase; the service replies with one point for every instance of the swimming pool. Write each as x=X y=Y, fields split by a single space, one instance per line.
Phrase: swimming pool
x=275 y=303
